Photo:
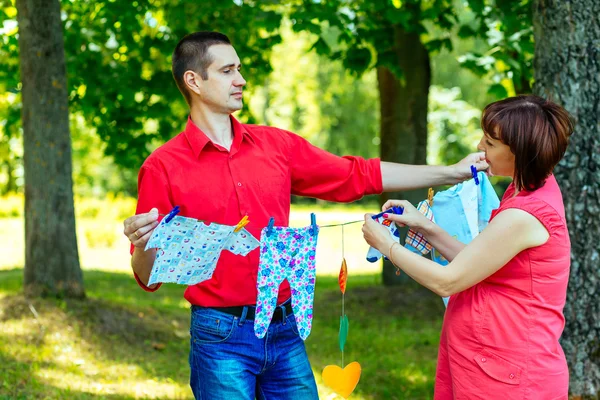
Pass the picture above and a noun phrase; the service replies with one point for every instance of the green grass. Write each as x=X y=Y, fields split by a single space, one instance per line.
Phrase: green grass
x=123 y=343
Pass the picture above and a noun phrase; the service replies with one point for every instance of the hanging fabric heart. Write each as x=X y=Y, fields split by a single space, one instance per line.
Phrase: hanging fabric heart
x=342 y=381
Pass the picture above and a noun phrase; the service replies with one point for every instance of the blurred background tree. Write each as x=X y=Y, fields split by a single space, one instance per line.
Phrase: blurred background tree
x=567 y=70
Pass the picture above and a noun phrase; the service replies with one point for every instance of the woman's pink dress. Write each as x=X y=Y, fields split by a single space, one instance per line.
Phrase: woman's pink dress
x=500 y=337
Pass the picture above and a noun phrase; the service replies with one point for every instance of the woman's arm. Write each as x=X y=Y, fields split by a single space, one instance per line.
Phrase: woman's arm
x=441 y=240
x=509 y=233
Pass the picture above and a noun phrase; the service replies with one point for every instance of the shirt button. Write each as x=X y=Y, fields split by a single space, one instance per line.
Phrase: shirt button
x=483 y=359
x=511 y=376
x=239 y=183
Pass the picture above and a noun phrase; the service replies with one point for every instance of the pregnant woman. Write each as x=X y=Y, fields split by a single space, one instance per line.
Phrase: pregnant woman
x=508 y=287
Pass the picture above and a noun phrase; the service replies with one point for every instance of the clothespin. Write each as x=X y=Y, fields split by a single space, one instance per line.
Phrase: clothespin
x=242 y=224
x=398 y=210
x=172 y=214
x=474 y=173
x=270 y=226
x=313 y=224
x=430 y=197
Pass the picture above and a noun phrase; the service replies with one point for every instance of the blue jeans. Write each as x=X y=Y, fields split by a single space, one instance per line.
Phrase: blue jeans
x=228 y=362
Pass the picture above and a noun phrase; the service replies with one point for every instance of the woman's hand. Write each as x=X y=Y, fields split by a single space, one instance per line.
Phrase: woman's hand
x=377 y=235
x=411 y=217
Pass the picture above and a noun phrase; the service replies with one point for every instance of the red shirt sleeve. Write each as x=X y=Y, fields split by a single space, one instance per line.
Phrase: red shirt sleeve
x=317 y=173
x=153 y=192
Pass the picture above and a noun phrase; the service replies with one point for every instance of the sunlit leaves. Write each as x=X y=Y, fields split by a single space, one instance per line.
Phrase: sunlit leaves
x=116 y=50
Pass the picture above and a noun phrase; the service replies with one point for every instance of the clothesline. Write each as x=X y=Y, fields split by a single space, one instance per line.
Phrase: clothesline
x=345 y=223
x=320 y=226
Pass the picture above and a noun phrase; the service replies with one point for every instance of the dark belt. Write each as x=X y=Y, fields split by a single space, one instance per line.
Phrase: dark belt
x=251 y=311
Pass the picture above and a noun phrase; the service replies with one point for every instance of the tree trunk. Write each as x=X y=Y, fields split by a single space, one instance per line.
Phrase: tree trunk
x=51 y=257
x=567 y=70
x=404 y=116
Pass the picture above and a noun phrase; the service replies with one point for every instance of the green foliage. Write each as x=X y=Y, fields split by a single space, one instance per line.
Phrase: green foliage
x=11 y=206
x=365 y=30
x=10 y=110
x=506 y=26
x=453 y=126
x=124 y=102
x=318 y=98
x=118 y=59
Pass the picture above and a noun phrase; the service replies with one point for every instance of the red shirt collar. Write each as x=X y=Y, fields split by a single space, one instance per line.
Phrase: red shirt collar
x=198 y=139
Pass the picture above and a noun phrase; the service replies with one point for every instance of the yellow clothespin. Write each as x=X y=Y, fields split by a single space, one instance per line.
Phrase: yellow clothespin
x=241 y=224
x=430 y=197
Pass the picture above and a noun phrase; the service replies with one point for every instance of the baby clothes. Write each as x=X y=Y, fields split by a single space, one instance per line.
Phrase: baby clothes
x=286 y=253
x=188 y=250
x=415 y=239
x=463 y=211
x=373 y=254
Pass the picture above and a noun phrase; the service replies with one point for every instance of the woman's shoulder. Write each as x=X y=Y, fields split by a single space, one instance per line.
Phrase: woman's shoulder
x=545 y=203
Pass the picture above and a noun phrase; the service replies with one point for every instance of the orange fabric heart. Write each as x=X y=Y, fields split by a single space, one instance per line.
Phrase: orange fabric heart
x=342 y=381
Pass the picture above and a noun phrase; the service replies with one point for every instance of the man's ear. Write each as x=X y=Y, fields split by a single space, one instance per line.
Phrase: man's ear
x=193 y=81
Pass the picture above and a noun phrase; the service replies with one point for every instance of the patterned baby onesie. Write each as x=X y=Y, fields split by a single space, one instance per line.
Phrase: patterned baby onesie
x=188 y=249
x=286 y=253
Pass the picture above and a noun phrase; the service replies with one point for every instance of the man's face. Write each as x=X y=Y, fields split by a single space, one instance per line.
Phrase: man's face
x=222 y=91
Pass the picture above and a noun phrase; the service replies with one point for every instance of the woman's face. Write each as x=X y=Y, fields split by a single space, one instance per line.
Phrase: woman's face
x=498 y=155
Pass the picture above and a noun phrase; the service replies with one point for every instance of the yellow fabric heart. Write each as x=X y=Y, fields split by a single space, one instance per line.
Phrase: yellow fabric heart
x=342 y=381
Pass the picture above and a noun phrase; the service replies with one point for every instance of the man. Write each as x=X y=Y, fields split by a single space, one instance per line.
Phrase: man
x=219 y=170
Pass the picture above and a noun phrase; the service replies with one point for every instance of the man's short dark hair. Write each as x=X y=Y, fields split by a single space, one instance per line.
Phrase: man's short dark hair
x=537 y=132
x=191 y=54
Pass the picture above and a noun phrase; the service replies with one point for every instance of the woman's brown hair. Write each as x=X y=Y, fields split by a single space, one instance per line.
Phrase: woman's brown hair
x=537 y=132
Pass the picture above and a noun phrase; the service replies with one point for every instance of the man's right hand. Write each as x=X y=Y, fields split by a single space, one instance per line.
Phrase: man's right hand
x=139 y=228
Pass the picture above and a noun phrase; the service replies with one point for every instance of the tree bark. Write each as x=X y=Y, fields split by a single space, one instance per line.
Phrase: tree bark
x=404 y=116
x=51 y=256
x=567 y=70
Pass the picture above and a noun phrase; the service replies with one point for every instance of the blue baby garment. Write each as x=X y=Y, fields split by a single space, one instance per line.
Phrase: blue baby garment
x=463 y=211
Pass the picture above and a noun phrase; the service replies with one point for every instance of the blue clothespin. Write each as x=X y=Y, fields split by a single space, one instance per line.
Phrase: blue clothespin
x=474 y=173
x=172 y=214
x=270 y=226
x=313 y=224
x=398 y=210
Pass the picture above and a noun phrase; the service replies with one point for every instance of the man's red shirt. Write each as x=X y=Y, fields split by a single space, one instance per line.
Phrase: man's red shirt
x=263 y=168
